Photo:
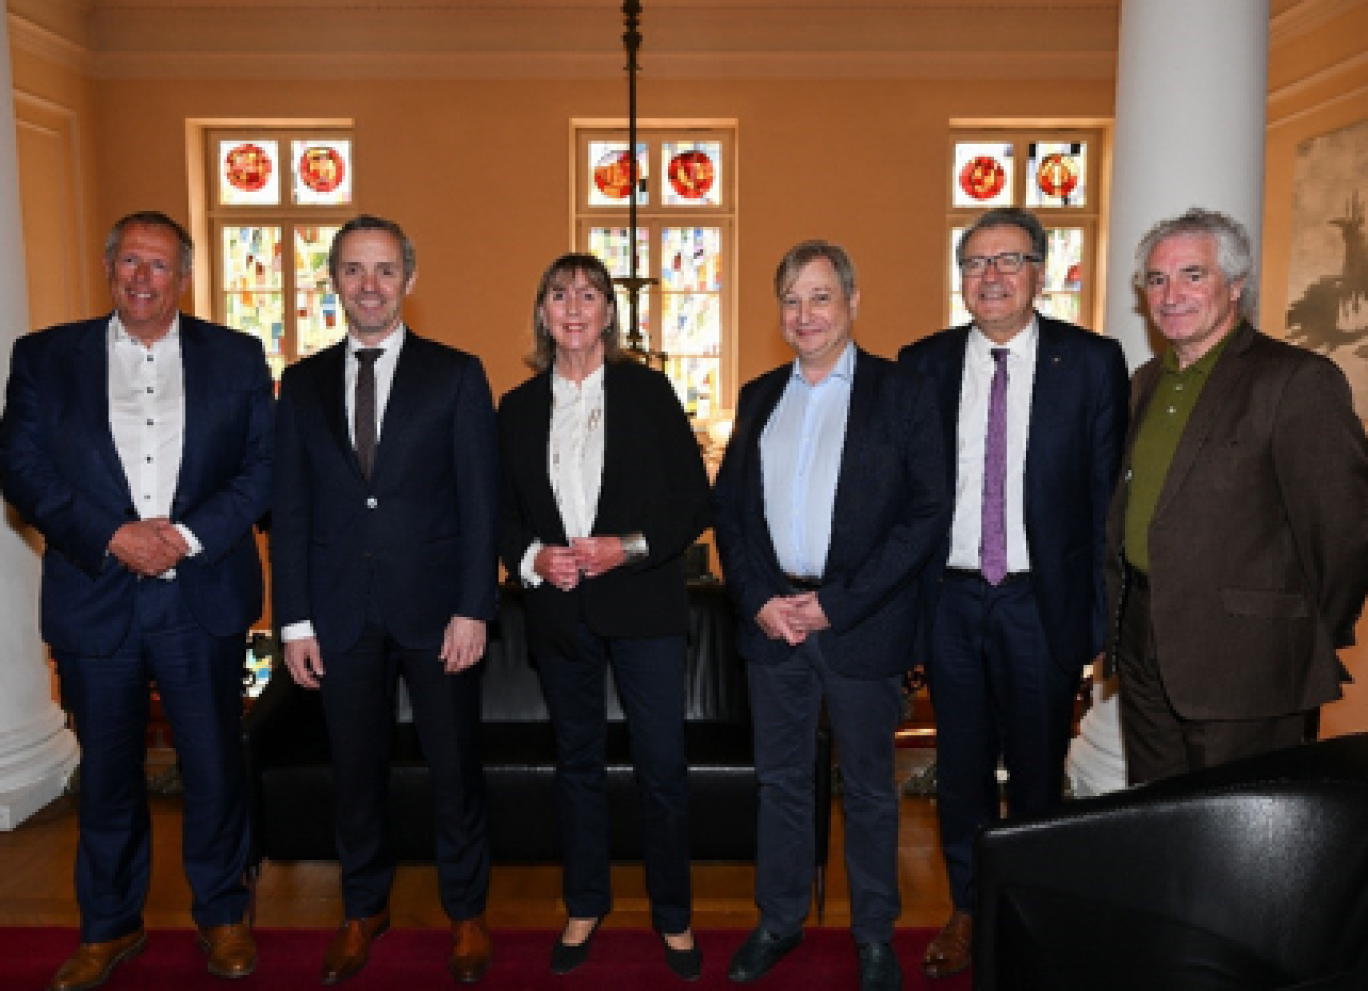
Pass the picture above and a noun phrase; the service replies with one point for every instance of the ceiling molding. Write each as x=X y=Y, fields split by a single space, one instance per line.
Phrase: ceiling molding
x=1326 y=76
x=29 y=37
x=588 y=65
x=1305 y=17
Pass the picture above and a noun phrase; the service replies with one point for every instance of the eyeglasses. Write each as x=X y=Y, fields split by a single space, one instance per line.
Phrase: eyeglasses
x=1007 y=263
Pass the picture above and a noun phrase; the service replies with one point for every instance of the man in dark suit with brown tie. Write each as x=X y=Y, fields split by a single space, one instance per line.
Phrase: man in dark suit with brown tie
x=1238 y=537
x=384 y=530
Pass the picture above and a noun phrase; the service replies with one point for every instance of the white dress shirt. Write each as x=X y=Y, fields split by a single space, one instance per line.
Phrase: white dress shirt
x=147 y=420
x=574 y=459
x=800 y=461
x=971 y=434
x=384 y=379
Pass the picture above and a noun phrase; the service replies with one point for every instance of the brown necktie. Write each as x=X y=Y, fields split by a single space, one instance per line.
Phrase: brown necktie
x=363 y=418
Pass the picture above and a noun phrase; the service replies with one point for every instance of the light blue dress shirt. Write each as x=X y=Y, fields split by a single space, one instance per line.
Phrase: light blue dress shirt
x=800 y=458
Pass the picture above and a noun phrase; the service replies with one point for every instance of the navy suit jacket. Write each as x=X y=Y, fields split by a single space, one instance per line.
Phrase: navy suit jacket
x=653 y=483
x=1073 y=454
x=60 y=469
x=890 y=514
x=417 y=540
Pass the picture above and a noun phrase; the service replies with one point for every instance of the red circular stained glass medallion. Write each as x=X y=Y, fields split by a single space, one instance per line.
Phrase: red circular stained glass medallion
x=691 y=174
x=322 y=169
x=982 y=177
x=247 y=167
x=1057 y=175
x=613 y=174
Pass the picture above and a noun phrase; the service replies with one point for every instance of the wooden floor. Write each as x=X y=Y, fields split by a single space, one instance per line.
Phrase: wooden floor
x=36 y=880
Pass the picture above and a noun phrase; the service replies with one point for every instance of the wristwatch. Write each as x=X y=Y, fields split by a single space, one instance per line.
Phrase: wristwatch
x=633 y=547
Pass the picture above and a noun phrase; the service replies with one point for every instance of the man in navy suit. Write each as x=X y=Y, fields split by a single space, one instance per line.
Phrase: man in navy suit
x=383 y=545
x=1034 y=412
x=829 y=502
x=139 y=445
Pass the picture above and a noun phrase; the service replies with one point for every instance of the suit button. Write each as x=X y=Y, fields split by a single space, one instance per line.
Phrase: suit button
x=372 y=502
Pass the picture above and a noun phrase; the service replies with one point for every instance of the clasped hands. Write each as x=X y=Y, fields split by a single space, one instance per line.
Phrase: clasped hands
x=586 y=557
x=792 y=617
x=148 y=547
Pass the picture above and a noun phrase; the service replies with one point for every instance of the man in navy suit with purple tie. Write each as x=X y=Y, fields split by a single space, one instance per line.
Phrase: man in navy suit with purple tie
x=1034 y=413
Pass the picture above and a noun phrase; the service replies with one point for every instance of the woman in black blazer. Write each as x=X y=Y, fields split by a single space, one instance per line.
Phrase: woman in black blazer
x=603 y=489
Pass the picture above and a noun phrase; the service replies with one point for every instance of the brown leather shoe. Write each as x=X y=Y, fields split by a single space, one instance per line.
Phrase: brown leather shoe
x=470 y=949
x=953 y=948
x=350 y=948
x=231 y=948
x=92 y=963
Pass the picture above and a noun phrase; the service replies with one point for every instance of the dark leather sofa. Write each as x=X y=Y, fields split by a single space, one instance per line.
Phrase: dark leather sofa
x=291 y=781
x=1248 y=877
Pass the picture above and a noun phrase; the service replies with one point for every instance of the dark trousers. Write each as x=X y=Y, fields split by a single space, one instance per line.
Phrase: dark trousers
x=649 y=673
x=359 y=699
x=998 y=696
x=786 y=699
x=199 y=679
x=1158 y=743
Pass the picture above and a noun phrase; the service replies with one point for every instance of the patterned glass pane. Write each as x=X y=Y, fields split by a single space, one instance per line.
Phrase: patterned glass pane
x=693 y=173
x=322 y=172
x=959 y=314
x=249 y=173
x=252 y=287
x=691 y=259
x=695 y=378
x=1058 y=174
x=982 y=174
x=318 y=322
x=610 y=245
x=610 y=174
x=691 y=323
x=1062 y=289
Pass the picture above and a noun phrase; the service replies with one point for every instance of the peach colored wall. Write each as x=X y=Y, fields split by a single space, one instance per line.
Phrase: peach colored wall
x=477 y=171
x=1317 y=84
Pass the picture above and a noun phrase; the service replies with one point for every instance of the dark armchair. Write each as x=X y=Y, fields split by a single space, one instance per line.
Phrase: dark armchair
x=1244 y=877
x=291 y=780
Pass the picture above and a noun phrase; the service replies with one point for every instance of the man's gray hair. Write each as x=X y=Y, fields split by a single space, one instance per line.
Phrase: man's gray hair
x=1234 y=255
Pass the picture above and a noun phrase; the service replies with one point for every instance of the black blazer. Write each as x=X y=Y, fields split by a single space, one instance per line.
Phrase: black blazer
x=61 y=470
x=418 y=540
x=1073 y=455
x=653 y=482
x=891 y=512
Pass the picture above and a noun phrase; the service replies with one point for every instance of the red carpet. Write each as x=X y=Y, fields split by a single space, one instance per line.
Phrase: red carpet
x=415 y=960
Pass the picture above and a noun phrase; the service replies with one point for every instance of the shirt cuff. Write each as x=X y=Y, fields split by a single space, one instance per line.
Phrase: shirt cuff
x=530 y=578
x=195 y=546
x=303 y=630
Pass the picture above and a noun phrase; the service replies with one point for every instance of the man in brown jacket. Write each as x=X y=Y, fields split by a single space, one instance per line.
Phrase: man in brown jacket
x=1238 y=537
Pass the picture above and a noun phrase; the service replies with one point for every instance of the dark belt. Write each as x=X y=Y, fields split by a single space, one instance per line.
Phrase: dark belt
x=1137 y=578
x=801 y=583
x=970 y=575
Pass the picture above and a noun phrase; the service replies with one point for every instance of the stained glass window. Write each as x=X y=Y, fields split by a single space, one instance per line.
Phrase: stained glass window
x=322 y=172
x=274 y=215
x=1059 y=174
x=685 y=217
x=1057 y=170
x=610 y=173
x=691 y=170
x=249 y=172
x=983 y=174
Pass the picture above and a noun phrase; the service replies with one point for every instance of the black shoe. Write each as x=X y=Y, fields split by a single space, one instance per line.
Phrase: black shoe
x=565 y=957
x=879 y=970
x=761 y=951
x=684 y=964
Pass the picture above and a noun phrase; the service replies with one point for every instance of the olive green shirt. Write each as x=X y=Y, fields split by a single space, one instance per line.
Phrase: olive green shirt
x=1156 y=440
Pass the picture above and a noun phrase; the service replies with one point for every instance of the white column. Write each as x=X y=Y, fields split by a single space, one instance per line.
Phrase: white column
x=1191 y=93
x=37 y=752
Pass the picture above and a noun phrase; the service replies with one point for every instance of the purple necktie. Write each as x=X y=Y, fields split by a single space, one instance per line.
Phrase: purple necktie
x=993 y=529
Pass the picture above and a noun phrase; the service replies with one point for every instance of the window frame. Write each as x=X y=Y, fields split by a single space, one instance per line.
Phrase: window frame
x=655 y=216
x=1089 y=217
